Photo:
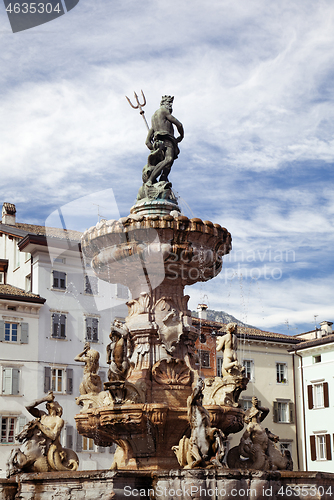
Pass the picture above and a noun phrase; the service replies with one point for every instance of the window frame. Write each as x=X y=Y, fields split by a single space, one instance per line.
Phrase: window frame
x=15 y=381
x=284 y=379
x=60 y=276
x=66 y=379
x=5 y=418
x=205 y=353
x=252 y=368
x=90 y=338
x=91 y=285
x=62 y=318
x=22 y=336
x=11 y=326
x=318 y=397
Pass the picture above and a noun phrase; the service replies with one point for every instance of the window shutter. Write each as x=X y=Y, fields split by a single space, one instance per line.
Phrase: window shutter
x=313 y=451
x=15 y=381
x=24 y=333
x=310 y=396
x=47 y=378
x=95 y=324
x=69 y=380
x=79 y=442
x=291 y=413
x=326 y=398
x=69 y=437
x=2 y=331
x=328 y=447
x=7 y=381
x=55 y=279
x=275 y=410
x=101 y=449
x=62 y=326
x=22 y=423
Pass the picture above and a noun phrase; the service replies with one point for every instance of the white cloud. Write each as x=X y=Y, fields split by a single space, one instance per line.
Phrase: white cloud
x=253 y=86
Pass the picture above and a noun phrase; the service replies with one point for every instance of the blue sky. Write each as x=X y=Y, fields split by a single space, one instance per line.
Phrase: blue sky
x=253 y=86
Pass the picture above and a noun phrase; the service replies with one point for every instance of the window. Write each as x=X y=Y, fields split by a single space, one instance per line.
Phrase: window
x=249 y=368
x=59 y=280
x=60 y=260
x=317 y=359
x=283 y=412
x=318 y=395
x=10 y=381
x=246 y=404
x=281 y=376
x=14 y=332
x=122 y=292
x=91 y=285
x=16 y=254
x=321 y=447
x=58 y=379
x=10 y=426
x=283 y=415
x=58 y=326
x=204 y=359
x=87 y=444
x=28 y=283
x=11 y=332
x=219 y=366
x=92 y=329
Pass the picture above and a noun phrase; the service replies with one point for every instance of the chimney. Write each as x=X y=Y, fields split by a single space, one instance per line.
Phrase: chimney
x=326 y=327
x=202 y=311
x=8 y=214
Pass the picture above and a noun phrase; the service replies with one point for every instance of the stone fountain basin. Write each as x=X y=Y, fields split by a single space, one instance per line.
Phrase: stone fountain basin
x=146 y=433
x=119 y=246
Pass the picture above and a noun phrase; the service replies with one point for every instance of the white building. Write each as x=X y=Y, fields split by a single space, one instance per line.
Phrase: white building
x=50 y=305
x=314 y=371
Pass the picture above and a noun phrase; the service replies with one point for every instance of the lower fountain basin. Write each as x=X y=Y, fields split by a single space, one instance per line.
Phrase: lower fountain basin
x=146 y=433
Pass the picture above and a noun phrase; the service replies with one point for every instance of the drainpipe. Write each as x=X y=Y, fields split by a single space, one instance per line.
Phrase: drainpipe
x=296 y=419
x=303 y=399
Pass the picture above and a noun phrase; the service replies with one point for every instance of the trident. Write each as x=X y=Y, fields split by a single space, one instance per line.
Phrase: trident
x=139 y=106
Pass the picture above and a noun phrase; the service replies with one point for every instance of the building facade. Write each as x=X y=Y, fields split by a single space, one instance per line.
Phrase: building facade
x=314 y=367
x=269 y=368
x=50 y=305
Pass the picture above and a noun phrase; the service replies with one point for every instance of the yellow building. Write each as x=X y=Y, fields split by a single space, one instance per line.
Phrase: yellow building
x=269 y=367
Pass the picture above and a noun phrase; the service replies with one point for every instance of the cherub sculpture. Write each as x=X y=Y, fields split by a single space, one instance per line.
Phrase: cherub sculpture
x=118 y=352
x=228 y=343
x=257 y=448
x=204 y=448
x=91 y=382
x=41 y=450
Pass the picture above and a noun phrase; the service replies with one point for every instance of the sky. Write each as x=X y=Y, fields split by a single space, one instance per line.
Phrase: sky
x=253 y=87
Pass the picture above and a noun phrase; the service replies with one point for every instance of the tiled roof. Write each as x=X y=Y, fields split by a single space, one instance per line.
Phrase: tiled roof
x=326 y=339
x=7 y=291
x=53 y=232
x=246 y=331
